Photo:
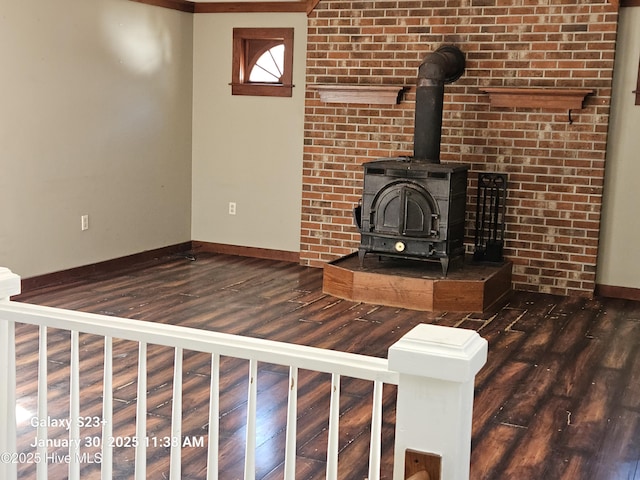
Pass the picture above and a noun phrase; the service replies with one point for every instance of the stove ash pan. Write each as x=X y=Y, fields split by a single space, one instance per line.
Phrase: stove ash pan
x=413 y=210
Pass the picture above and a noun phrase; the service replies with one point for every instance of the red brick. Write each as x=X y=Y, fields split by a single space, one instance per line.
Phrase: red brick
x=351 y=42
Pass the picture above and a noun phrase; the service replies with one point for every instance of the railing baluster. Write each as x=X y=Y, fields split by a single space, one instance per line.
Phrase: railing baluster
x=375 y=449
x=140 y=472
x=41 y=432
x=106 y=466
x=175 y=464
x=74 y=407
x=214 y=419
x=334 y=422
x=9 y=470
x=292 y=416
x=250 y=448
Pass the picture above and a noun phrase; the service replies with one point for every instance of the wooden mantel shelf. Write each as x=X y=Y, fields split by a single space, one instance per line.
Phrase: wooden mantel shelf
x=370 y=94
x=560 y=98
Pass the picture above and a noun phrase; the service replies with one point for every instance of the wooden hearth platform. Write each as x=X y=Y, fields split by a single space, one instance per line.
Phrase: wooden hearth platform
x=418 y=285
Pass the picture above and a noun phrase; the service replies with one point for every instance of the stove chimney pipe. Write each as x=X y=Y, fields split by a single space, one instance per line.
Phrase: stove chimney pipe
x=445 y=65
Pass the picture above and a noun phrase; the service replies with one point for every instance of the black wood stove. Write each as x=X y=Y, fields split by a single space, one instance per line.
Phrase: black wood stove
x=414 y=207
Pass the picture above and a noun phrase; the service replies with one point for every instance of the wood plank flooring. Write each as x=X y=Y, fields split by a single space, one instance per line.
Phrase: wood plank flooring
x=559 y=397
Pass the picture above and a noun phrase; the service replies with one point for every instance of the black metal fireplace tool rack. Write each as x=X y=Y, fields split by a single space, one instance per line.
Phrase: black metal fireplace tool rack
x=490 y=217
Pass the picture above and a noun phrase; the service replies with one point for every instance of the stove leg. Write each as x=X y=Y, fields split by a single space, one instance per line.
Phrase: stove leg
x=445 y=265
x=361 y=253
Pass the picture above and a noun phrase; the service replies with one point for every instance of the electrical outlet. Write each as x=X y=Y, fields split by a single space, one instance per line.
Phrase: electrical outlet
x=84 y=222
x=232 y=208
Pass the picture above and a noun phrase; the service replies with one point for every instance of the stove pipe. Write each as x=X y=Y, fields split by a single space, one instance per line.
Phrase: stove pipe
x=445 y=65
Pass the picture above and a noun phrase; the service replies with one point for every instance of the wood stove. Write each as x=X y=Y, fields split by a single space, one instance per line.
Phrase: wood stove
x=414 y=207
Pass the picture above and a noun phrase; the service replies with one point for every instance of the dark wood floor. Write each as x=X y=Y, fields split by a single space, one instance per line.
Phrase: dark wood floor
x=559 y=397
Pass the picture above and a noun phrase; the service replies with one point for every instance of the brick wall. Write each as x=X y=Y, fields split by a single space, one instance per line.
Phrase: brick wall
x=555 y=168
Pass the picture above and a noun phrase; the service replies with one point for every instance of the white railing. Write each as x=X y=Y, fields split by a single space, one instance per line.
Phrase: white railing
x=434 y=368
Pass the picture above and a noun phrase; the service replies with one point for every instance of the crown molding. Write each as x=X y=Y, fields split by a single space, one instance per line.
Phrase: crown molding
x=297 y=6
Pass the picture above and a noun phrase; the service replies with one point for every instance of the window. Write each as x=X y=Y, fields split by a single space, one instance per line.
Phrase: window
x=269 y=67
x=262 y=62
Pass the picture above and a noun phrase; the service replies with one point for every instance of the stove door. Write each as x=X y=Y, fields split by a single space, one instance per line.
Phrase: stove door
x=406 y=209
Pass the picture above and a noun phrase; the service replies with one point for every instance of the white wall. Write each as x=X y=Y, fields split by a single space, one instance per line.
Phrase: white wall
x=619 y=255
x=246 y=149
x=95 y=119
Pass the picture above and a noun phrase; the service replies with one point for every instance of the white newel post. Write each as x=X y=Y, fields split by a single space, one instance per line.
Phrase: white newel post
x=9 y=285
x=437 y=367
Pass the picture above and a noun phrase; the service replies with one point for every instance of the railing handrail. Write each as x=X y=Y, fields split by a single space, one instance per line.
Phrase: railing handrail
x=279 y=353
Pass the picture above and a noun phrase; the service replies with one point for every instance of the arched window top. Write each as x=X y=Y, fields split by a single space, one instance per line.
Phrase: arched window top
x=269 y=67
x=262 y=61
